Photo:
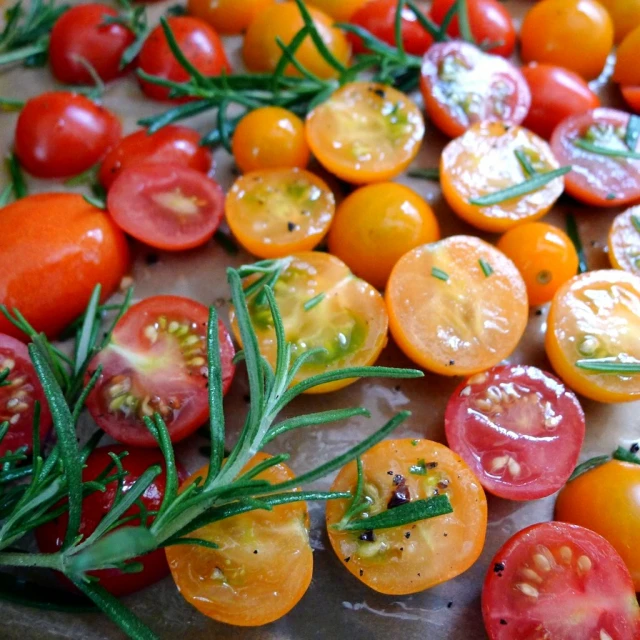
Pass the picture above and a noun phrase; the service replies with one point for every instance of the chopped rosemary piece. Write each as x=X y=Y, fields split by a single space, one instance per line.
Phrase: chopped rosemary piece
x=592 y=463
x=585 y=145
x=635 y=221
x=609 y=365
x=440 y=274
x=18 y=183
x=525 y=163
x=574 y=235
x=11 y=104
x=96 y=202
x=487 y=269
x=314 y=302
x=425 y=174
x=419 y=469
x=624 y=455
x=632 y=132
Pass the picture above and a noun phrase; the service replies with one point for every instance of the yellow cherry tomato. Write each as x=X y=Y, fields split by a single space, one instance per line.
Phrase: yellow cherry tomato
x=626 y=71
x=625 y=15
x=544 y=255
x=227 y=16
x=488 y=158
x=624 y=241
x=376 y=225
x=594 y=323
x=339 y=10
x=365 y=132
x=457 y=306
x=276 y=212
x=270 y=138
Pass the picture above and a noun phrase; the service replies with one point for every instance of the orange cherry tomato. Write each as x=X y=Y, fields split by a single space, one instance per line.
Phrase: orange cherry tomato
x=414 y=557
x=270 y=138
x=624 y=241
x=339 y=10
x=491 y=157
x=276 y=212
x=596 y=317
x=625 y=15
x=245 y=582
x=631 y=96
x=227 y=16
x=365 y=132
x=544 y=255
x=457 y=306
x=283 y=20
x=376 y=225
x=626 y=69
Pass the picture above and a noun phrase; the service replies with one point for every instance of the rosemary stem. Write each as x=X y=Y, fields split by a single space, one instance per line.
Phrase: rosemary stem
x=41 y=560
x=24 y=52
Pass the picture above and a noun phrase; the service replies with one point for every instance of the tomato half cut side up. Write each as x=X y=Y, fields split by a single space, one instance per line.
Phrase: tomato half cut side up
x=518 y=428
x=168 y=207
x=156 y=362
x=562 y=582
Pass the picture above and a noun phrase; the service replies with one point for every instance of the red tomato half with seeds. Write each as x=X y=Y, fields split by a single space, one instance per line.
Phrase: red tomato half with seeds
x=157 y=362
x=562 y=582
x=518 y=428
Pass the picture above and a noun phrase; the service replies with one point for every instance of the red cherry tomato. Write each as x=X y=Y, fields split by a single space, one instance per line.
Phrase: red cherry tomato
x=156 y=362
x=490 y=24
x=556 y=94
x=95 y=506
x=631 y=96
x=170 y=145
x=562 y=582
x=198 y=41
x=61 y=134
x=80 y=34
x=518 y=428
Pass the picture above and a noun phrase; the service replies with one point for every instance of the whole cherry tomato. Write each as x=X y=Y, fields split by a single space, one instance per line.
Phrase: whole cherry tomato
x=626 y=70
x=227 y=16
x=339 y=10
x=625 y=15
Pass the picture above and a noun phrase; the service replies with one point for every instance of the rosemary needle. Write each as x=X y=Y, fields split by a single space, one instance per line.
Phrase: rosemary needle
x=609 y=365
x=585 y=145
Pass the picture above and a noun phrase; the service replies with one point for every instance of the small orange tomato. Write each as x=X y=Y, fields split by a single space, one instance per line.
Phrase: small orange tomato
x=625 y=15
x=490 y=157
x=376 y=225
x=626 y=71
x=457 y=306
x=624 y=241
x=339 y=10
x=544 y=255
x=227 y=16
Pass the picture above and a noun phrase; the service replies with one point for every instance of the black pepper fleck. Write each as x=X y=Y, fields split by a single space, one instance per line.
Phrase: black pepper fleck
x=347 y=559
x=361 y=572
x=503 y=621
x=407 y=535
x=367 y=536
x=255 y=551
x=291 y=226
x=401 y=495
x=152 y=258
x=379 y=92
x=451 y=362
x=635 y=447
x=398 y=479
x=538 y=312
x=389 y=473
x=449 y=605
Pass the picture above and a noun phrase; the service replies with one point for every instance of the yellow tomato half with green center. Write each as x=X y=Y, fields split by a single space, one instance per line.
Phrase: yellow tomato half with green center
x=624 y=241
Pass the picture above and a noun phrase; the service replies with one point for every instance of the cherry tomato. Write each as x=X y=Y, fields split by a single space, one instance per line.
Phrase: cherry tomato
x=200 y=44
x=54 y=249
x=245 y=582
x=560 y=581
x=283 y=20
x=80 y=37
x=631 y=96
x=457 y=306
x=348 y=318
x=556 y=94
x=625 y=15
x=596 y=316
x=598 y=179
x=607 y=501
x=410 y=558
x=339 y=10
x=18 y=395
x=170 y=145
x=574 y=34
x=462 y=85
x=270 y=138
x=61 y=134
x=376 y=225
x=166 y=206
x=625 y=71
x=276 y=212
x=96 y=505
x=490 y=157
x=156 y=362
x=624 y=241
x=544 y=255
x=490 y=24
x=365 y=132
x=228 y=16
x=518 y=428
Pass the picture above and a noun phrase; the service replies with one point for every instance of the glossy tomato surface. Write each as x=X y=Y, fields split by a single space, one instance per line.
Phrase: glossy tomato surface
x=624 y=241
x=228 y=16
x=625 y=71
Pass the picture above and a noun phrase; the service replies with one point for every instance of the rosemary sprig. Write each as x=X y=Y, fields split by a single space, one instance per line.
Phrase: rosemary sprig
x=574 y=235
x=621 y=454
x=609 y=365
x=585 y=145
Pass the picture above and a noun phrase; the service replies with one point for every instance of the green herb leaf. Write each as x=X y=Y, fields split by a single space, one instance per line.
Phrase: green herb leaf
x=585 y=145
x=18 y=182
x=588 y=465
x=635 y=221
x=609 y=365
x=440 y=274
x=572 y=232
x=314 y=302
x=425 y=174
x=525 y=163
x=624 y=455
x=632 y=132
x=463 y=21
x=96 y=202
x=487 y=269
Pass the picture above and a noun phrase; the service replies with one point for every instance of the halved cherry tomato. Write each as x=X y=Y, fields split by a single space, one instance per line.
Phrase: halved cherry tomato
x=596 y=316
x=277 y=212
x=157 y=362
x=365 y=132
x=556 y=94
x=631 y=96
x=270 y=138
x=347 y=317
x=170 y=145
x=457 y=306
x=246 y=581
x=625 y=15
x=54 y=249
x=200 y=44
x=486 y=159
x=417 y=556
x=598 y=179
x=283 y=20
x=18 y=395
x=339 y=10
x=544 y=255
x=61 y=134
x=166 y=206
x=624 y=241
x=462 y=85
x=626 y=72
x=518 y=428
x=95 y=506
x=560 y=581
x=376 y=225
x=574 y=34
x=228 y=16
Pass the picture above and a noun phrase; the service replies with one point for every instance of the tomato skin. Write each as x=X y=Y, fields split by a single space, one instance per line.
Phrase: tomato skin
x=339 y=10
x=626 y=72
x=227 y=16
x=199 y=43
x=61 y=134
x=556 y=94
x=625 y=15
x=170 y=145
x=624 y=241
x=54 y=249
